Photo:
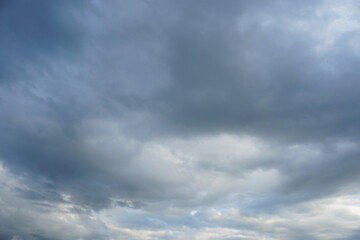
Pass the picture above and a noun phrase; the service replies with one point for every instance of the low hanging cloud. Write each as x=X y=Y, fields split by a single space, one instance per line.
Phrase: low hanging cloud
x=179 y=120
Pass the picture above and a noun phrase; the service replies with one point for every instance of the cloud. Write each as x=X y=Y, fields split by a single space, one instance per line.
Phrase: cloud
x=179 y=119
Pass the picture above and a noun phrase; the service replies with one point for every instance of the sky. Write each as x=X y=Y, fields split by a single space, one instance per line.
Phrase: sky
x=179 y=119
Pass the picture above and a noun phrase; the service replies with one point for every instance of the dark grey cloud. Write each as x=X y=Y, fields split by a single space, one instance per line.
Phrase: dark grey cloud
x=265 y=80
x=32 y=31
x=178 y=115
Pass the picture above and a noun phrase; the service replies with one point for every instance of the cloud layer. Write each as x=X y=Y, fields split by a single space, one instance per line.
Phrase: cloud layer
x=179 y=120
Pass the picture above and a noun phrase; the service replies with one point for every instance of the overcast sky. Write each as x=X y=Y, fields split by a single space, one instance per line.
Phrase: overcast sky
x=177 y=120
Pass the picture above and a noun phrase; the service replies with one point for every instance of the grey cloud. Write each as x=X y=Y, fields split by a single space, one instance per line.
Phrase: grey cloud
x=258 y=82
x=32 y=31
x=94 y=96
x=31 y=214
